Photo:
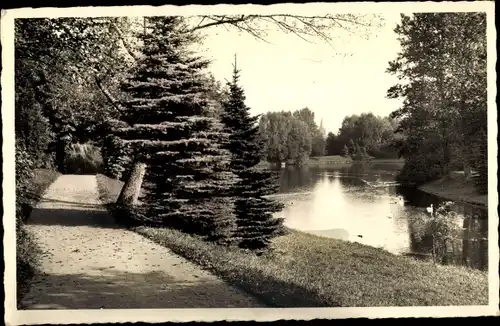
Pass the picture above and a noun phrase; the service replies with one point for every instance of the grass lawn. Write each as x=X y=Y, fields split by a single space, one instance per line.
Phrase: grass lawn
x=332 y=159
x=305 y=270
x=455 y=188
x=26 y=248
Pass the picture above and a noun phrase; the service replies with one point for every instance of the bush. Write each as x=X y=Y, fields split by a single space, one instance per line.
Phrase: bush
x=24 y=173
x=30 y=185
x=83 y=159
x=420 y=169
x=384 y=153
x=442 y=229
x=35 y=131
x=116 y=157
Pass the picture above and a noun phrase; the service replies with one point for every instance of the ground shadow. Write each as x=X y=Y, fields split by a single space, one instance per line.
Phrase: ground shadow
x=72 y=217
x=71 y=203
x=112 y=289
x=272 y=291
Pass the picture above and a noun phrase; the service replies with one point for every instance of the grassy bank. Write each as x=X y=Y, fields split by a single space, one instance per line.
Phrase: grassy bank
x=305 y=270
x=319 y=161
x=455 y=188
x=26 y=248
x=342 y=160
x=329 y=160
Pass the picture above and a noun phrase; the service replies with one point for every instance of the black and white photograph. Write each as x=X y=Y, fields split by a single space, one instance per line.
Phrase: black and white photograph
x=216 y=162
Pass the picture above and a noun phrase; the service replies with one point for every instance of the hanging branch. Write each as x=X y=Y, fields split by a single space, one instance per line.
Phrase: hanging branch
x=313 y=26
x=299 y=25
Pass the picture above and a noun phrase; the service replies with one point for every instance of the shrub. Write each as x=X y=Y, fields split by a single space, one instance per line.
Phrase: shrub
x=384 y=153
x=116 y=157
x=83 y=158
x=34 y=129
x=24 y=173
x=30 y=185
x=419 y=169
x=442 y=228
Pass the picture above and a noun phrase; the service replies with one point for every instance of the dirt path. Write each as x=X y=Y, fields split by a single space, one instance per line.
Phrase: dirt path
x=90 y=263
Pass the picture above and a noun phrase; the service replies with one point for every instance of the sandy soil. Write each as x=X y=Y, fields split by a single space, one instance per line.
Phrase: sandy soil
x=90 y=263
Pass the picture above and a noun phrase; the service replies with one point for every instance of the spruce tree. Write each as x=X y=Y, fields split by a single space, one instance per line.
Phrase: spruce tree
x=188 y=179
x=255 y=224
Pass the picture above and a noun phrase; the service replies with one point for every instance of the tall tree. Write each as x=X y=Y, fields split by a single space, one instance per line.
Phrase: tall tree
x=442 y=68
x=334 y=146
x=171 y=131
x=255 y=223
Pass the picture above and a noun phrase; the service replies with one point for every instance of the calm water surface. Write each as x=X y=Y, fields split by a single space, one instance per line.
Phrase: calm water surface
x=360 y=203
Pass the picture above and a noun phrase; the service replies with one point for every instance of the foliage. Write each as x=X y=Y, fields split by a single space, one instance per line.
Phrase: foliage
x=334 y=146
x=419 y=169
x=315 y=133
x=481 y=156
x=57 y=62
x=172 y=131
x=345 y=150
x=318 y=146
x=116 y=154
x=443 y=228
x=442 y=72
x=83 y=159
x=255 y=224
x=364 y=136
x=287 y=138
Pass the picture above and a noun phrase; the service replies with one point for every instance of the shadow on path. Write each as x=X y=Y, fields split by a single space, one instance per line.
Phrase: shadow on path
x=112 y=289
x=72 y=217
x=71 y=203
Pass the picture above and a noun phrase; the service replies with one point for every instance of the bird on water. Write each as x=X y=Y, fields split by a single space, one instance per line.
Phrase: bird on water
x=430 y=210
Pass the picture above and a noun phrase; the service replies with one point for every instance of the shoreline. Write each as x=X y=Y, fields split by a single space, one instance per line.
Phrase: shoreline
x=455 y=189
x=337 y=160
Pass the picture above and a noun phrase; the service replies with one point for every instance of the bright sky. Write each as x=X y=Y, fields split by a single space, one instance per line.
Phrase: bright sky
x=290 y=73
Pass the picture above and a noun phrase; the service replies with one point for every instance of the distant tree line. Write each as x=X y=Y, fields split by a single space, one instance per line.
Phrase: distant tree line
x=363 y=137
x=443 y=82
x=294 y=137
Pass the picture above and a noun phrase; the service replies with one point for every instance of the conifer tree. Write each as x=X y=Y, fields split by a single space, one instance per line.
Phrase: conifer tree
x=170 y=129
x=255 y=224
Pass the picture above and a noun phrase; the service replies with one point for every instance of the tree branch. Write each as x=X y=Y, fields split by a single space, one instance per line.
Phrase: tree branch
x=114 y=102
x=122 y=37
x=311 y=25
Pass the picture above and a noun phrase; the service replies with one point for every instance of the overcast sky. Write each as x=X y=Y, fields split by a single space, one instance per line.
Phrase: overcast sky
x=289 y=74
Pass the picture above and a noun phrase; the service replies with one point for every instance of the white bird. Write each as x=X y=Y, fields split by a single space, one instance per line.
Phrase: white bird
x=430 y=210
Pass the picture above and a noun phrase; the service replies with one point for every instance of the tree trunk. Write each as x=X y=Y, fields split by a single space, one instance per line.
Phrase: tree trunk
x=466 y=240
x=483 y=244
x=60 y=150
x=467 y=170
x=446 y=160
x=131 y=189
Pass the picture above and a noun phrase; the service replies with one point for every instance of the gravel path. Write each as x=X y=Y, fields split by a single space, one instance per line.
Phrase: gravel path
x=90 y=263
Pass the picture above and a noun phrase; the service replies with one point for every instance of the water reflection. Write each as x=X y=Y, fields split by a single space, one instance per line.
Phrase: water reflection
x=361 y=203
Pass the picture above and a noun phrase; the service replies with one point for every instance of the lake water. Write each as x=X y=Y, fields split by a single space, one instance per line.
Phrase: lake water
x=360 y=203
